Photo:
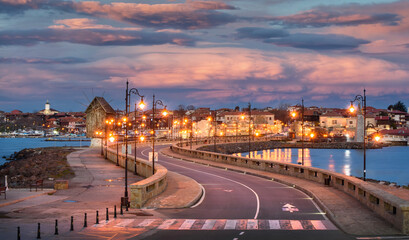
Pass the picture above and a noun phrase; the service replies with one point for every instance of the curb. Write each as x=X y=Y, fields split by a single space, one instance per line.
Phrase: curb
x=195 y=199
x=26 y=198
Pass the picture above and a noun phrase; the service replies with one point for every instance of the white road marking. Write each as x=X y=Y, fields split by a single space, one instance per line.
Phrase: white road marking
x=274 y=224
x=208 y=224
x=252 y=224
x=187 y=224
x=166 y=224
x=230 y=224
x=318 y=225
x=296 y=225
x=241 y=233
x=146 y=222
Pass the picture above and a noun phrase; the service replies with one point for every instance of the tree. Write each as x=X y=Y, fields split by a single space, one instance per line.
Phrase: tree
x=190 y=107
x=400 y=106
x=180 y=112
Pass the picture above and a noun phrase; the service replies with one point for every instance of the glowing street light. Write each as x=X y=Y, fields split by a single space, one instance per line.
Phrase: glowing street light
x=362 y=99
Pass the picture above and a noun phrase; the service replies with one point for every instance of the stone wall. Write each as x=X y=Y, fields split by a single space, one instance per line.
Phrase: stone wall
x=230 y=148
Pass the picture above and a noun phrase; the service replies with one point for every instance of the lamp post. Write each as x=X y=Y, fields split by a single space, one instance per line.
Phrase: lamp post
x=361 y=99
x=127 y=105
x=135 y=127
x=191 y=131
x=118 y=123
x=107 y=122
x=155 y=102
x=99 y=133
x=250 y=129
x=215 y=131
x=293 y=114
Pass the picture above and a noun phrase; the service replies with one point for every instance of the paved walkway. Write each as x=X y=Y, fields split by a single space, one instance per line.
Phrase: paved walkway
x=345 y=211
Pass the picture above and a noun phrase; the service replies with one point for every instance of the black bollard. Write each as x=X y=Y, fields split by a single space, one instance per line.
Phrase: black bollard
x=107 y=218
x=56 y=227
x=85 y=220
x=38 y=231
x=18 y=233
x=126 y=207
x=97 y=220
x=72 y=224
x=122 y=211
x=114 y=211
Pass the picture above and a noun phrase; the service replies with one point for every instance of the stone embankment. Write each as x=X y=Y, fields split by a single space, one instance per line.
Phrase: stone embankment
x=34 y=164
x=231 y=148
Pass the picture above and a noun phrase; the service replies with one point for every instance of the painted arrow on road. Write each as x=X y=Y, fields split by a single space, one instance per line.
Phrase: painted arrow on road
x=289 y=208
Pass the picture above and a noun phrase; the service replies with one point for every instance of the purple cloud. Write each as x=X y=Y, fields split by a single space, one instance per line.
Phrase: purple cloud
x=93 y=37
x=325 y=17
x=260 y=33
x=189 y=15
x=66 y=60
x=318 y=41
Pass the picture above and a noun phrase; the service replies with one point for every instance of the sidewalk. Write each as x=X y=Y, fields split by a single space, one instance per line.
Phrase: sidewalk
x=15 y=195
x=345 y=211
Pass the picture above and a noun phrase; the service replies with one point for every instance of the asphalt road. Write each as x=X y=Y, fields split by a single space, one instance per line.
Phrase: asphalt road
x=257 y=208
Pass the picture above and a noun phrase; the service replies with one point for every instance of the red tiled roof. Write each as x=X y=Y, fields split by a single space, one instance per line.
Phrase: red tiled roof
x=15 y=112
x=399 y=132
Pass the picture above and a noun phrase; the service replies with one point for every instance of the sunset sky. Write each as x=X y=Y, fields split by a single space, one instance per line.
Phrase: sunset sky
x=203 y=53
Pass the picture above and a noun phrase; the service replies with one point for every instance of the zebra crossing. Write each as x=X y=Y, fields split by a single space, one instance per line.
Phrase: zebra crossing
x=218 y=224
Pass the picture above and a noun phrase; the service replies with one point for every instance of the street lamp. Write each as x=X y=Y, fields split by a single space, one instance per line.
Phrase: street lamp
x=361 y=99
x=118 y=124
x=99 y=133
x=250 y=132
x=142 y=106
x=294 y=114
x=165 y=113
x=107 y=122
x=135 y=91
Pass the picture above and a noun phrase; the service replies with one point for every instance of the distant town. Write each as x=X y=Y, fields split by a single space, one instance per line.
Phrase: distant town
x=308 y=122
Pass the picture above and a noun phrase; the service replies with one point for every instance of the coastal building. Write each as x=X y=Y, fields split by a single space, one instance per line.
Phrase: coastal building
x=48 y=110
x=395 y=135
x=97 y=113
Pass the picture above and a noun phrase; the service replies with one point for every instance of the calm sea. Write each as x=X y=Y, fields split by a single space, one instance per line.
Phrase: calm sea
x=10 y=145
x=387 y=164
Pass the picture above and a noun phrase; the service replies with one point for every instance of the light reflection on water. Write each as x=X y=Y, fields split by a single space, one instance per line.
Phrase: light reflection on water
x=389 y=164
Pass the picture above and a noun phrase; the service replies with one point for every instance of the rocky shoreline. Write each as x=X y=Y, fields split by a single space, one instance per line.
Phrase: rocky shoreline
x=31 y=164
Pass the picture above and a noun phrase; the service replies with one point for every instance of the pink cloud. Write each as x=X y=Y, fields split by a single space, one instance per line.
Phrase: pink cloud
x=84 y=23
x=189 y=15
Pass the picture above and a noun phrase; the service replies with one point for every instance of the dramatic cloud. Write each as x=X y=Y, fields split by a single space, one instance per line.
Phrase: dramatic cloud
x=189 y=15
x=260 y=33
x=66 y=60
x=93 y=37
x=321 y=18
x=19 y=6
x=84 y=23
x=318 y=41
x=206 y=53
